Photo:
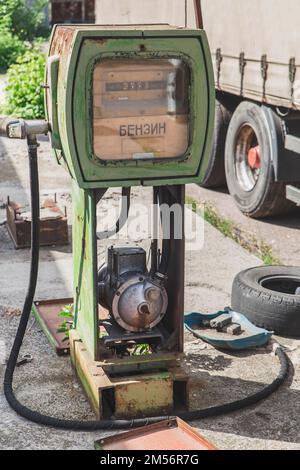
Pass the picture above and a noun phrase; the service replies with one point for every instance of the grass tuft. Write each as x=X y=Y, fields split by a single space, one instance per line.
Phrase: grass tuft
x=229 y=229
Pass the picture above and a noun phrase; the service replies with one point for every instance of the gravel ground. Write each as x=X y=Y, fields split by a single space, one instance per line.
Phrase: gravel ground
x=48 y=383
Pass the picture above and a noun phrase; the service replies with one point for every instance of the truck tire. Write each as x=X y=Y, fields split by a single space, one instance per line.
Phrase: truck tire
x=250 y=146
x=215 y=174
x=267 y=297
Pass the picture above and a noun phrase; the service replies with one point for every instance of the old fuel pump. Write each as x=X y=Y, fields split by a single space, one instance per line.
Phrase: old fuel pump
x=128 y=106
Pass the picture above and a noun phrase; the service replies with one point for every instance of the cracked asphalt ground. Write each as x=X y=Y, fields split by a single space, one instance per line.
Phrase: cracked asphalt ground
x=48 y=383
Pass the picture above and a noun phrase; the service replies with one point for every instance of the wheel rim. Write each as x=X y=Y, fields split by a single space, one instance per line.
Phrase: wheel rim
x=247 y=158
x=282 y=284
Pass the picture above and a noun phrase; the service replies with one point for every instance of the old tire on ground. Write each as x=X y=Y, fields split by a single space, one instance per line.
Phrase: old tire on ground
x=267 y=296
x=215 y=174
x=255 y=136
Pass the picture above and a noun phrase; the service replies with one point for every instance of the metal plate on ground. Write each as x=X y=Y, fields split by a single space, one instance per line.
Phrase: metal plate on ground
x=46 y=313
x=172 y=434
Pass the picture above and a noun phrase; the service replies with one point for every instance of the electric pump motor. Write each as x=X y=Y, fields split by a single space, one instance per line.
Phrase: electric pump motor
x=133 y=296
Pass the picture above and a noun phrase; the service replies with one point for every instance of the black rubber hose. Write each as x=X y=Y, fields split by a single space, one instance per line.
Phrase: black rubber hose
x=75 y=425
x=125 y=207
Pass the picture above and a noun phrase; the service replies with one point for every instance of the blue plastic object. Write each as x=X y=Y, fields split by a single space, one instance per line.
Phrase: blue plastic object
x=251 y=337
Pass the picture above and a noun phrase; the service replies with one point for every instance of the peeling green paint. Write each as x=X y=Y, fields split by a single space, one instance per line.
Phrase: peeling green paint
x=74 y=105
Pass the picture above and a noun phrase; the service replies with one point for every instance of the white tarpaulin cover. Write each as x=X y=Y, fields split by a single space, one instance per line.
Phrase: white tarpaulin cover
x=256 y=28
x=174 y=12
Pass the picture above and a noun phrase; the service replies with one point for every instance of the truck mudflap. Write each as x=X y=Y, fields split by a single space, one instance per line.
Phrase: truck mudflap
x=285 y=150
x=293 y=194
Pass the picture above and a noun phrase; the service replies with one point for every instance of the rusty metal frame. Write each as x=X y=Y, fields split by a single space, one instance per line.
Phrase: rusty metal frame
x=172 y=434
x=113 y=395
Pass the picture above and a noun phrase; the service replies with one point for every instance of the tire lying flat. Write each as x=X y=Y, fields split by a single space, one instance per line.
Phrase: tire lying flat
x=266 y=296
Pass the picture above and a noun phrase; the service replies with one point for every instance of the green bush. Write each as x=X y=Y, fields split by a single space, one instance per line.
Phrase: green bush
x=24 y=93
x=10 y=48
x=20 y=24
x=21 y=19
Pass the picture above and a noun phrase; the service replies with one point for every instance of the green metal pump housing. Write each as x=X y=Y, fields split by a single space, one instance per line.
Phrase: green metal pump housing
x=126 y=106
x=75 y=56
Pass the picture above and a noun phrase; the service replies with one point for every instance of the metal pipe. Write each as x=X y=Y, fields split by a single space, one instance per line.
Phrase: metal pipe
x=14 y=128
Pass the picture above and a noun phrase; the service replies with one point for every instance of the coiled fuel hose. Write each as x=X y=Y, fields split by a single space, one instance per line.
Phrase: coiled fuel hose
x=75 y=425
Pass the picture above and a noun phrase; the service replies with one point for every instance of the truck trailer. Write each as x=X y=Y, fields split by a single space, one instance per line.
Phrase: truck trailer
x=256 y=58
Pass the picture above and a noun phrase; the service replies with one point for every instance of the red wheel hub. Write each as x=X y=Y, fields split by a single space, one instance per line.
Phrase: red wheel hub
x=254 y=158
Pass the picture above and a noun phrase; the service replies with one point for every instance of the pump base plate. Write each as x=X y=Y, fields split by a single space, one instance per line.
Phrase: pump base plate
x=46 y=312
x=152 y=393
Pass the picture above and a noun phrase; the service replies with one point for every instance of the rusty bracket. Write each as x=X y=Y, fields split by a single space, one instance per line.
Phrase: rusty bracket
x=242 y=65
x=264 y=73
x=219 y=60
x=53 y=224
x=292 y=75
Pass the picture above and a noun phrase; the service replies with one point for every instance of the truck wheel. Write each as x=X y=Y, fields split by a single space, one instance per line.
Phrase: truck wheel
x=249 y=150
x=215 y=174
x=269 y=296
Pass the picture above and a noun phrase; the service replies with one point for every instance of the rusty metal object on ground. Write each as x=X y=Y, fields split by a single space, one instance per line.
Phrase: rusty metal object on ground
x=220 y=322
x=234 y=329
x=46 y=312
x=172 y=434
x=53 y=224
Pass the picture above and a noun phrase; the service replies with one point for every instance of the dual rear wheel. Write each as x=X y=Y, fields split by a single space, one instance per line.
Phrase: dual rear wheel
x=249 y=143
x=245 y=148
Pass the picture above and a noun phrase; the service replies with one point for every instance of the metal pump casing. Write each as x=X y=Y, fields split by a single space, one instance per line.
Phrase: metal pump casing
x=134 y=297
x=79 y=58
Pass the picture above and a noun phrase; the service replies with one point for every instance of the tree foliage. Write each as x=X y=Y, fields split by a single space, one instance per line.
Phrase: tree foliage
x=24 y=93
x=22 y=19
